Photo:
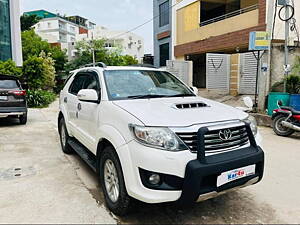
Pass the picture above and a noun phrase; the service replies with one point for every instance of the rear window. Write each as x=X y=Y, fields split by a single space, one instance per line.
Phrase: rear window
x=9 y=84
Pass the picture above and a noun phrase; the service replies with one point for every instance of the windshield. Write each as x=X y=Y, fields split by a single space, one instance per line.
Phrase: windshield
x=135 y=84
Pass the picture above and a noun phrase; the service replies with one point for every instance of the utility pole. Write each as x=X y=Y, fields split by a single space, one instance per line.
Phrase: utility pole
x=286 y=48
x=93 y=50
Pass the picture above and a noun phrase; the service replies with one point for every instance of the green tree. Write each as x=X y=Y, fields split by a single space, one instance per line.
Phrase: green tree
x=109 y=57
x=9 y=68
x=27 y=21
x=33 y=45
x=39 y=72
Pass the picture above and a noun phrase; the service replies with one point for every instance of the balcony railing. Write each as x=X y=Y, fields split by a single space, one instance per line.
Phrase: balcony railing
x=229 y=15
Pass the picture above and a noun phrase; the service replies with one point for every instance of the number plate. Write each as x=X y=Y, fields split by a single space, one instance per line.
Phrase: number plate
x=3 y=98
x=236 y=174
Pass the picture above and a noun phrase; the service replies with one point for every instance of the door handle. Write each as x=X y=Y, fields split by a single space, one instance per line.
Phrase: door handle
x=65 y=100
x=79 y=106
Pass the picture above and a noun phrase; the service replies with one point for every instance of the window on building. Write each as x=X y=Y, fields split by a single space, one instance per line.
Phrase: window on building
x=5 y=38
x=164 y=13
x=164 y=54
x=211 y=10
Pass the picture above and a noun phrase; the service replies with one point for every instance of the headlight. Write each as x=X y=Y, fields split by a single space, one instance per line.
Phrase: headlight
x=253 y=124
x=161 y=138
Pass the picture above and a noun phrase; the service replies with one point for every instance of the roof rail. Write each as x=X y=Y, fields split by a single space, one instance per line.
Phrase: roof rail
x=97 y=64
x=144 y=65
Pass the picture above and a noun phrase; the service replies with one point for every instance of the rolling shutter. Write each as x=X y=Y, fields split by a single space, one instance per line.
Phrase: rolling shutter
x=248 y=66
x=217 y=71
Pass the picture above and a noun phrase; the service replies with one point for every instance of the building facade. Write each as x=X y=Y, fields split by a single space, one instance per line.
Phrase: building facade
x=214 y=35
x=128 y=43
x=56 y=30
x=61 y=31
x=162 y=29
x=10 y=31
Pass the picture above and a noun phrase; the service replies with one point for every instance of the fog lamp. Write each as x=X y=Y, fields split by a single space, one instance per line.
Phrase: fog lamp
x=154 y=179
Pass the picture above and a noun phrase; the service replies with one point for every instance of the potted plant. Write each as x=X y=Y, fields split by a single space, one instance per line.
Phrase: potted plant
x=293 y=87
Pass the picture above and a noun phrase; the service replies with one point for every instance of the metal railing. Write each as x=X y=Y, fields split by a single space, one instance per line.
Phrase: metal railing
x=229 y=15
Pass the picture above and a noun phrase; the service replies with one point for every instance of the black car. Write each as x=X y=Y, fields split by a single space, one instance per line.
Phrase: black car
x=12 y=99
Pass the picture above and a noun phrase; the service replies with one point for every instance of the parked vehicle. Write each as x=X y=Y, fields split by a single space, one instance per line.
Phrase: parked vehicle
x=12 y=99
x=286 y=120
x=150 y=137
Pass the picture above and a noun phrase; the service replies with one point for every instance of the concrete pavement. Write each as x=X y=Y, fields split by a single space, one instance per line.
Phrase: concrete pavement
x=39 y=184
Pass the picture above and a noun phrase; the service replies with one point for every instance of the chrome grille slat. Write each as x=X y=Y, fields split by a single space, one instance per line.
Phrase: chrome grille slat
x=226 y=145
x=214 y=144
x=236 y=137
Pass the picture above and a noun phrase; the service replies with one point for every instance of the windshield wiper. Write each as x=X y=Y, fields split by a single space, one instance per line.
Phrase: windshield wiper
x=181 y=95
x=146 y=96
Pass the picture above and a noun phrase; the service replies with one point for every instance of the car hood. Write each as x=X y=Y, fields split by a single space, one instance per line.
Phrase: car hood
x=163 y=112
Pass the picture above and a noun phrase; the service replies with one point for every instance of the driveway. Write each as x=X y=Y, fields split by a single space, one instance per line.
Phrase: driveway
x=39 y=184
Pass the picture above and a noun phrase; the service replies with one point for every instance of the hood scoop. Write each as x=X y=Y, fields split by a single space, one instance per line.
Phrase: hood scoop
x=191 y=105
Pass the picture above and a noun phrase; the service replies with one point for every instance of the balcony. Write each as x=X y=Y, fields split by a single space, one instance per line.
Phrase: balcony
x=211 y=18
x=229 y=15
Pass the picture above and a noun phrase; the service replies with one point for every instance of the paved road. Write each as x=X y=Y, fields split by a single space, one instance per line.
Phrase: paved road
x=38 y=184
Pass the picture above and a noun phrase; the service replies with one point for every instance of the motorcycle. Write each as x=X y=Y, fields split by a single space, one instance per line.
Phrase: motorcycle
x=286 y=120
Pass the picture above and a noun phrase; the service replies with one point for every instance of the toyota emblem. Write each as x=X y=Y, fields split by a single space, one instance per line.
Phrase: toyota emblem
x=225 y=135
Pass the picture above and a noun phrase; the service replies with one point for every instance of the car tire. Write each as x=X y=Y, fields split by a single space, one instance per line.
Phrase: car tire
x=23 y=119
x=120 y=203
x=64 y=137
x=279 y=129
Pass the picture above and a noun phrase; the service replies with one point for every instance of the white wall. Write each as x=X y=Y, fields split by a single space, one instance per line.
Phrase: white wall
x=16 y=32
x=56 y=30
x=130 y=43
x=279 y=32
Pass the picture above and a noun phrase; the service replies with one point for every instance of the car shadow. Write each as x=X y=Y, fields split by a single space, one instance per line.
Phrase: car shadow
x=234 y=207
x=9 y=122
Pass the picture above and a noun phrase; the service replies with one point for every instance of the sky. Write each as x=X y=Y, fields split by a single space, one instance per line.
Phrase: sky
x=113 y=14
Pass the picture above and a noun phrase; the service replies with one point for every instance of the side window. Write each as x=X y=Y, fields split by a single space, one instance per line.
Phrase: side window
x=77 y=84
x=91 y=82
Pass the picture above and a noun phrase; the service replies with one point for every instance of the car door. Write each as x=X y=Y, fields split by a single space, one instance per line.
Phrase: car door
x=88 y=111
x=72 y=101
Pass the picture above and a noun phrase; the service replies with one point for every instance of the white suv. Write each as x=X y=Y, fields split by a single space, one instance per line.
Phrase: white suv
x=151 y=138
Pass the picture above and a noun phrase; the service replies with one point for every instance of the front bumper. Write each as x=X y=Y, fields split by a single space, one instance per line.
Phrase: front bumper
x=188 y=176
x=200 y=180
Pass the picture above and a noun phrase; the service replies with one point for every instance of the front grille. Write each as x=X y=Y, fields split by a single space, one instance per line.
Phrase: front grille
x=214 y=144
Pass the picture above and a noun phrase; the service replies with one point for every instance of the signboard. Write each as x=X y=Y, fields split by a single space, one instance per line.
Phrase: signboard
x=259 y=41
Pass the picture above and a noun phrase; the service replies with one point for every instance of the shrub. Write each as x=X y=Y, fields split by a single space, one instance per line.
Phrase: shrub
x=40 y=98
x=292 y=85
x=39 y=72
x=9 y=68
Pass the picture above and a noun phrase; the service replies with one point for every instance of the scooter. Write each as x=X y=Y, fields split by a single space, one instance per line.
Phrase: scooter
x=286 y=120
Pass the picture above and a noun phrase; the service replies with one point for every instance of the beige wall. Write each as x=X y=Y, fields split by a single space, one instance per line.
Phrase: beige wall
x=180 y=58
x=234 y=74
x=247 y=3
x=189 y=30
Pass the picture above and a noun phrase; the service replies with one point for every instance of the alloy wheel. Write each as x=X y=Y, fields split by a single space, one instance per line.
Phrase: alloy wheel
x=111 y=180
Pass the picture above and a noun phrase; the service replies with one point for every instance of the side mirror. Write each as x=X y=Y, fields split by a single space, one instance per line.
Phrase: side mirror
x=195 y=90
x=279 y=103
x=88 y=95
x=248 y=102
